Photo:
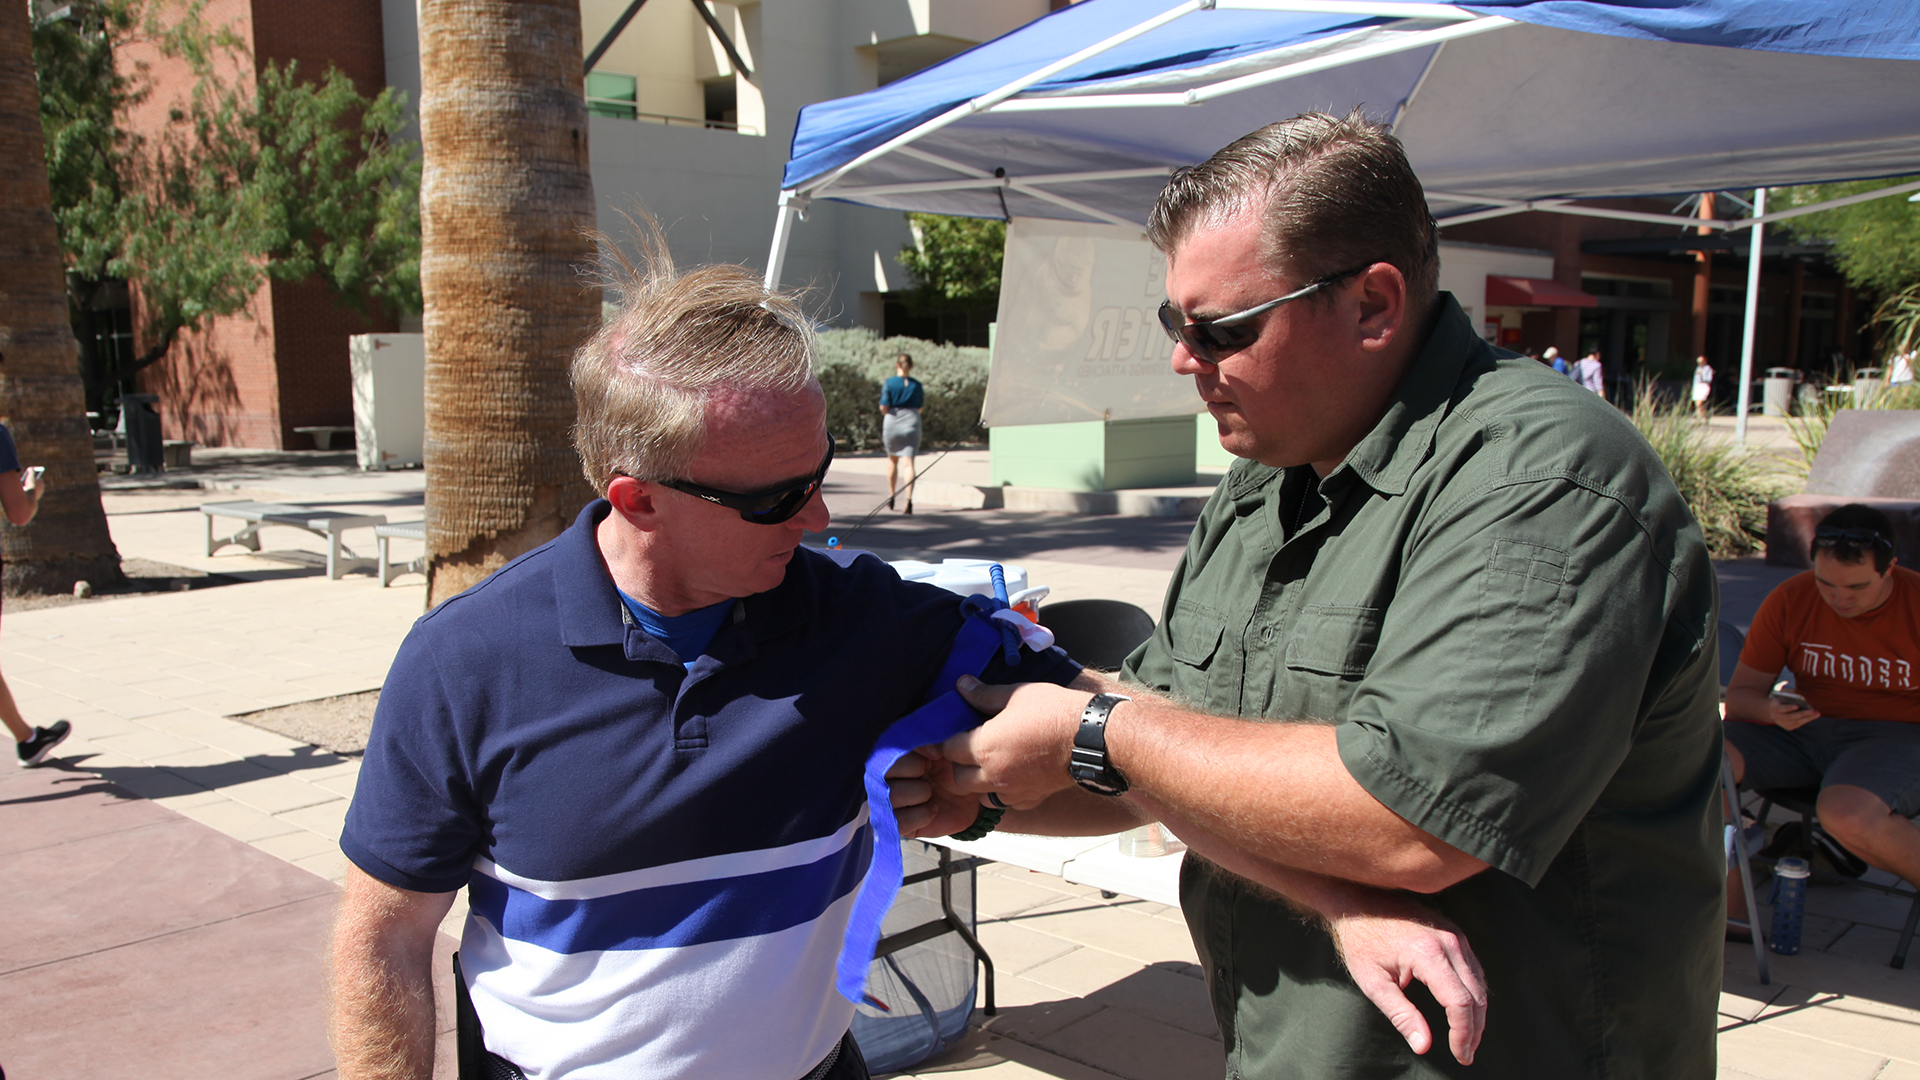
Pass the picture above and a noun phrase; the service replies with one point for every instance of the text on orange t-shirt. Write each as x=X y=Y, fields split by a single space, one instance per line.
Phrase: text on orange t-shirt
x=1864 y=668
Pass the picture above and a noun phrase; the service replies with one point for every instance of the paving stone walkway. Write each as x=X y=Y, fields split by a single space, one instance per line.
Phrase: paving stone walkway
x=173 y=872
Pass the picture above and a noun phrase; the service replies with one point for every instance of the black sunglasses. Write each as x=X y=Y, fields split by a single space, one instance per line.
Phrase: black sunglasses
x=1832 y=537
x=768 y=506
x=1213 y=340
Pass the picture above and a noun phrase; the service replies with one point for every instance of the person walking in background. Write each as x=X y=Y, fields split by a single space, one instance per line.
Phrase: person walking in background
x=1703 y=388
x=20 y=497
x=1590 y=374
x=1558 y=362
x=901 y=399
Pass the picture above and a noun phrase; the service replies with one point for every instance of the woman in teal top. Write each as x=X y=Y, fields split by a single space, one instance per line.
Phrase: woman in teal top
x=901 y=399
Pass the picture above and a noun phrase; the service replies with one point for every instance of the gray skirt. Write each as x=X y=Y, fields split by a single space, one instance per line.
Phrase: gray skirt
x=900 y=432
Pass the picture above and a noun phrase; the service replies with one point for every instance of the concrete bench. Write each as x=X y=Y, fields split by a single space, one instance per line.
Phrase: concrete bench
x=405 y=530
x=1790 y=523
x=323 y=434
x=323 y=523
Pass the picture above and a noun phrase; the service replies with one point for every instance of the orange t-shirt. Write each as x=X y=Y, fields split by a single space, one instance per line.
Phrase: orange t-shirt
x=1864 y=668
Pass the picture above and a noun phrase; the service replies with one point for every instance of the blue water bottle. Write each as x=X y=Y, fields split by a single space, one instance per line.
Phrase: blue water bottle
x=1789 y=900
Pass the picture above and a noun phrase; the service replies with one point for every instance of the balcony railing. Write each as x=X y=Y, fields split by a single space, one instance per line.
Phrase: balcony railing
x=626 y=109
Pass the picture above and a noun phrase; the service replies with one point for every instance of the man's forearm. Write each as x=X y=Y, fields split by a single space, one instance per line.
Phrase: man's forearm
x=1278 y=792
x=1075 y=812
x=1315 y=895
x=382 y=1020
x=383 y=1017
x=1748 y=704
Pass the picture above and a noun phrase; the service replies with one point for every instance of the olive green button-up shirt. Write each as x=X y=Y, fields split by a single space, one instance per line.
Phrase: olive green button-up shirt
x=1506 y=608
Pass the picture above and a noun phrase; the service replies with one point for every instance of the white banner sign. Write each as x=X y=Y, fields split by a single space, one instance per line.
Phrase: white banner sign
x=1079 y=334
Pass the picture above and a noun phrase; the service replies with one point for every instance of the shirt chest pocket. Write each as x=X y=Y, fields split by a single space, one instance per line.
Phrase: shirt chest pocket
x=1337 y=641
x=1193 y=639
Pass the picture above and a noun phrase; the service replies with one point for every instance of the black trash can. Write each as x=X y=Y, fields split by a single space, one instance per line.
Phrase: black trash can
x=141 y=414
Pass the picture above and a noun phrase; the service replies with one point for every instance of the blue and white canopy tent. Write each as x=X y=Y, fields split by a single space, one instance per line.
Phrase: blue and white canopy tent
x=1503 y=105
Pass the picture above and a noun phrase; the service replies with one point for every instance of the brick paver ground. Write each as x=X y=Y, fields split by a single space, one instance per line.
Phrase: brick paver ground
x=173 y=872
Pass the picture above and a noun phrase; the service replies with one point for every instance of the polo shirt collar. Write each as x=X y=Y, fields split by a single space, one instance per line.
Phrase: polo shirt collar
x=589 y=605
x=583 y=591
x=1401 y=441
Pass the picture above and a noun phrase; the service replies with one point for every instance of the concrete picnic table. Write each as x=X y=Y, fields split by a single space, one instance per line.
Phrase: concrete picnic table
x=323 y=523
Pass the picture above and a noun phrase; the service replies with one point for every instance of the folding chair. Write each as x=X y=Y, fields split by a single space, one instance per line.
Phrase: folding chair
x=1731 y=641
x=1799 y=801
x=1802 y=801
x=1097 y=633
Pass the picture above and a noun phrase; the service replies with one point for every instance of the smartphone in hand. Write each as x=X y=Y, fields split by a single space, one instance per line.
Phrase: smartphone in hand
x=31 y=479
x=1789 y=698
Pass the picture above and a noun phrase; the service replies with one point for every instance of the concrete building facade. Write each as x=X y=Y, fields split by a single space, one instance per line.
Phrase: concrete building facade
x=678 y=131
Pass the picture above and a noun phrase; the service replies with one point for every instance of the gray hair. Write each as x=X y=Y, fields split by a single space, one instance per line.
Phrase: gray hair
x=643 y=384
x=1332 y=193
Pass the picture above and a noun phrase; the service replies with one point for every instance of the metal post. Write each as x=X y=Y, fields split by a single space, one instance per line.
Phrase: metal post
x=1753 y=316
x=792 y=205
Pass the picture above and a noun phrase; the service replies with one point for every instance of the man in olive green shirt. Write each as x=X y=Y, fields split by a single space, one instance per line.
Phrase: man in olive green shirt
x=1477 y=608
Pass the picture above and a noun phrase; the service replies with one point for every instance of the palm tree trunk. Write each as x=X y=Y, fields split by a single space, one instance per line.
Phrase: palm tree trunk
x=40 y=392
x=506 y=205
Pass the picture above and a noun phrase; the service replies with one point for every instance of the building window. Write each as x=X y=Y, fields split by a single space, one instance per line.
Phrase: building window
x=723 y=102
x=613 y=95
x=667 y=66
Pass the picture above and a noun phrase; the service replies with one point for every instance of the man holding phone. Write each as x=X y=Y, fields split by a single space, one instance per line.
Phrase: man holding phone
x=1849 y=631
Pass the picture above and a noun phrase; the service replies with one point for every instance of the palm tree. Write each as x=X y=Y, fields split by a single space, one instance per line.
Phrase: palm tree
x=506 y=209
x=40 y=393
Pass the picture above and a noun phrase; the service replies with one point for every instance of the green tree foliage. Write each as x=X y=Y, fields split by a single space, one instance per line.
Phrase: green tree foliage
x=955 y=261
x=1899 y=317
x=288 y=179
x=1876 y=243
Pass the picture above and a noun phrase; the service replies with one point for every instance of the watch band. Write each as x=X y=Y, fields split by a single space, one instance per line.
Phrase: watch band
x=1088 y=764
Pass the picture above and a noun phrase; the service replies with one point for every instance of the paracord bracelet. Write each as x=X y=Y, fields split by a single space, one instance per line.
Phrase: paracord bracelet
x=988 y=821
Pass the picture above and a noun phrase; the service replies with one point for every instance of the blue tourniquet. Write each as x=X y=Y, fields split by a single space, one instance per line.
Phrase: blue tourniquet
x=944 y=715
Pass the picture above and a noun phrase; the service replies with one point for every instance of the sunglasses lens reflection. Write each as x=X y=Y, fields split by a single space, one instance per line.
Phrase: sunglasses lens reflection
x=1208 y=342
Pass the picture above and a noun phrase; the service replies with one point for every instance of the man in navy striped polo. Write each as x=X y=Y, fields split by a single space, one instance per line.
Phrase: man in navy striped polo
x=639 y=747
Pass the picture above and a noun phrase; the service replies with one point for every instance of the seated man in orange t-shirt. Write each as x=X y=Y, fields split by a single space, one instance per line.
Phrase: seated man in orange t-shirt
x=1850 y=632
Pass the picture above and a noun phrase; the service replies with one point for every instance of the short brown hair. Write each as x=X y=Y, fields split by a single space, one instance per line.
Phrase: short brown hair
x=642 y=385
x=1333 y=193
x=1847 y=550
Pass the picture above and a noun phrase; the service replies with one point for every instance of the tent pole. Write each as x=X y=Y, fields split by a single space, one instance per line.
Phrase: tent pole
x=1753 y=316
x=1503 y=207
x=1814 y=208
x=791 y=206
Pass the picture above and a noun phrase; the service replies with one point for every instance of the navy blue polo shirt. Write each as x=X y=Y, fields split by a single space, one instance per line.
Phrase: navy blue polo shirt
x=639 y=835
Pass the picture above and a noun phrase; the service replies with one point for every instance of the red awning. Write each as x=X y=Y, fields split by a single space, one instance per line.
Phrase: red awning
x=1534 y=292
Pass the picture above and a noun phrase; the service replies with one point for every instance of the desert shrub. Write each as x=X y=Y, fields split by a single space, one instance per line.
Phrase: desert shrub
x=1726 y=485
x=853 y=363
x=852 y=413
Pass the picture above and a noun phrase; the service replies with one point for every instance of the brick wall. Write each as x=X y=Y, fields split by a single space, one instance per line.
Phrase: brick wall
x=249 y=379
x=218 y=386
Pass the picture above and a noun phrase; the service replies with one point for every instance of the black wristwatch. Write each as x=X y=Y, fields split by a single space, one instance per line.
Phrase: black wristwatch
x=1088 y=765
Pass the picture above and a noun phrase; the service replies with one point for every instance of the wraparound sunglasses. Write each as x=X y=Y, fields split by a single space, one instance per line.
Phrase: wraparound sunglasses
x=768 y=506
x=1213 y=340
